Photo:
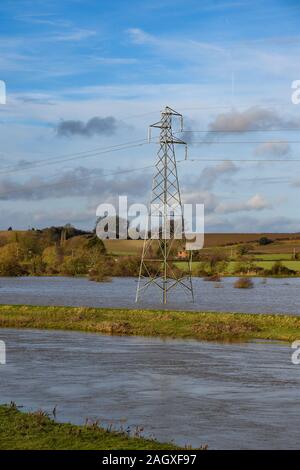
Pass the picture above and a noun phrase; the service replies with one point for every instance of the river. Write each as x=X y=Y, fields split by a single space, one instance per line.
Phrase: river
x=240 y=396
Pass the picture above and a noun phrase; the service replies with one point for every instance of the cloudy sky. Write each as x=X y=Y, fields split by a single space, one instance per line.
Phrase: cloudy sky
x=85 y=78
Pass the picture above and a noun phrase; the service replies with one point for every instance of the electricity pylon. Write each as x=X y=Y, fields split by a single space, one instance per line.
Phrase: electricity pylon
x=166 y=216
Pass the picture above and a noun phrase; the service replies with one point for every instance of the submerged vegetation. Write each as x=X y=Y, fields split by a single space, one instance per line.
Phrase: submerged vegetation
x=243 y=283
x=161 y=323
x=36 y=431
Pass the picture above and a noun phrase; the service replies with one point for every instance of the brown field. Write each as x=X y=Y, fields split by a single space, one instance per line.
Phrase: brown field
x=223 y=239
x=125 y=247
x=7 y=236
x=283 y=242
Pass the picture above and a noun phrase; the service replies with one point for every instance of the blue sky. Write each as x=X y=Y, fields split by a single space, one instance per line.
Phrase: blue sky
x=111 y=67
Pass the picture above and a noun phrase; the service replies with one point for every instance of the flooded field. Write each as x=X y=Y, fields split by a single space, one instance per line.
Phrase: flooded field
x=270 y=296
x=241 y=396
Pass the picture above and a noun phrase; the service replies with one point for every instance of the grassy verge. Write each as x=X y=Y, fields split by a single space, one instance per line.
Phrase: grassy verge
x=36 y=431
x=174 y=324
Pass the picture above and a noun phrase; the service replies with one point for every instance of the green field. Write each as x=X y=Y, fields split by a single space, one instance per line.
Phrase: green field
x=295 y=265
x=274 y=256
x=173 y=324
x=266 y=264
x=36 y=431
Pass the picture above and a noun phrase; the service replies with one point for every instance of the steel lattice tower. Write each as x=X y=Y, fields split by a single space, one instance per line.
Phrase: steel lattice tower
x=166 y=209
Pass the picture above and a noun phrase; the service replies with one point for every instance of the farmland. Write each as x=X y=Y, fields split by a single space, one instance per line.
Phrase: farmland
x=49 y=252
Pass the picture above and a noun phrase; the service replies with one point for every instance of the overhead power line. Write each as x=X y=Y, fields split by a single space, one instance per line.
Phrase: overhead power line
x=231 y=131
x=244 y=160
x=246 y=142
x=74 y=156
x=120 y=172
x=73 y=180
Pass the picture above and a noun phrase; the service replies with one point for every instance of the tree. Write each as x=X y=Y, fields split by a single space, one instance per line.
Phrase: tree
x=35 y=266
x=102 y=270
x=53 y=258
x=30 y=242
x=244 y=249
x=9 y=262
x=75 y=265
x=265 y=241
x=213 y=263
x=95 y=243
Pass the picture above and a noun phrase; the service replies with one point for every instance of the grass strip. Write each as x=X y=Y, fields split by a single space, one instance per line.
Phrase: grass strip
x=36 y=431
x=212 y=326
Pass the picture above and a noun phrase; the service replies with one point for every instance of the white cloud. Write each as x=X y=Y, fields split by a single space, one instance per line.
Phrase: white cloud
x=207 y=198
x=249 y=224
x=254 y=118
x=211 y=174
x=255 y=203
x=273 y=149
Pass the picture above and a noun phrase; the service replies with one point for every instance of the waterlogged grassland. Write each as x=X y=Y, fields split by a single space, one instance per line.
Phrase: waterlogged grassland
x=172 y=324
x=36 y=431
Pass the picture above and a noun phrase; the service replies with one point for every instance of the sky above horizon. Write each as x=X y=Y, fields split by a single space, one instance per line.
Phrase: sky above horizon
x=84 y=77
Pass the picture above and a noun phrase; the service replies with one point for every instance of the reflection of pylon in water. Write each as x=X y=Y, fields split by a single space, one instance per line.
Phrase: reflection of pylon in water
x=157 y=267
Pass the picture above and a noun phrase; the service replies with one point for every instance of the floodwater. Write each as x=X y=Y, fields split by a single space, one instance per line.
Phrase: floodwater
x=268 y=296
x=229 y=396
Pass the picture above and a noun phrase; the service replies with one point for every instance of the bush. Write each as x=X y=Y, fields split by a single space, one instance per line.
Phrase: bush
x=243 y=283
x=244 y=249
x=102 y=270
x=213 y=277
x=265 y=241
x=97 y=244
x=74 y=265
x=279 y=270
x=214 y=263
x=127 y=266
x=35 y=266
x=53 y=258
x=9 y=261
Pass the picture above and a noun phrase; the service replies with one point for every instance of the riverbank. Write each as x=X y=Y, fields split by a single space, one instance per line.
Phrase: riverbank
x=173 y=324
x=36 y=431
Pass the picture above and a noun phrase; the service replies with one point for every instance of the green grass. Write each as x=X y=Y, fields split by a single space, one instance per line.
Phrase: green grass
x=295 y=265
x=174 y=324
x=184 y=265
x=36 y=431
x=267 y=263
x=274 y=256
